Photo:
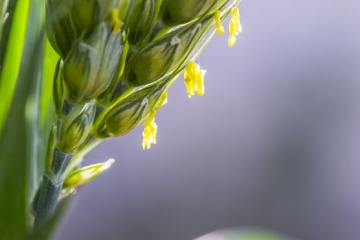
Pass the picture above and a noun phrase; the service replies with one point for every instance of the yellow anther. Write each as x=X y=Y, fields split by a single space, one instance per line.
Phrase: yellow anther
x=232 y=36
x=150 y=131
x=194 y=79
x=219 y=28
x=149 y=136
x=200 y=83
x=235 y=27
x=236 y=16
x=150 y=127
x=117 y=24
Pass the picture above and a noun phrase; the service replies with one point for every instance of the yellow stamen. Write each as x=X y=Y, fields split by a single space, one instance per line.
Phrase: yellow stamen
x=150 y=127
x=200 y=83
x=194 y=79
x=232 y=36
x=117 y=24
x=219 y=28
x=236 y=16
x=150 y=131
x=235 y=27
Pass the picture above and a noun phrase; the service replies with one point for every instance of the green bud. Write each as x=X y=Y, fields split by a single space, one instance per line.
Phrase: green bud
x=87 y=13
x=86 y=174
x=142 y=19
x=92 y=64
x=162 y=56
x=59 y=28
x=183 y=11
x=75 y=127
x=126 y=115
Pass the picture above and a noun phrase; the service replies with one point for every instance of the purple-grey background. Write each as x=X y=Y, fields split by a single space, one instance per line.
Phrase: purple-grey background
x=275 y=141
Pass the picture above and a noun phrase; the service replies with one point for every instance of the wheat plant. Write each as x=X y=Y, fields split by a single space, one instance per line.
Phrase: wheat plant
x=77 y=72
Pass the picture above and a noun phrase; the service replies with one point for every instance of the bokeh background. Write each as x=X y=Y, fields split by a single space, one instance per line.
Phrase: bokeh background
x=275 y=141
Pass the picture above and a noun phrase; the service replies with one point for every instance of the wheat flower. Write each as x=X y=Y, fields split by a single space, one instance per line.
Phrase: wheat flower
x=117 y=60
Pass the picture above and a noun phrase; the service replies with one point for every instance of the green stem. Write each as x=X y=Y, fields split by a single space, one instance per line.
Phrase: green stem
x=48 y=194
x=47 y=199
x=51 y=185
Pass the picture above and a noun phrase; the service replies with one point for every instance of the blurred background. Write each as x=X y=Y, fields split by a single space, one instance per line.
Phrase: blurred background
x=275 y=141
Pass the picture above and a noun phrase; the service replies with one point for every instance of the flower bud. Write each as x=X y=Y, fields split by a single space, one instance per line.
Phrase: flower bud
x=59 y=28
x=162 y=56
x=155 y=60
x=86 y=174
x=75 y=127
x=183 y=11
x=126 y=115
x=141 y=20
x=92 y=64
x=86 y=14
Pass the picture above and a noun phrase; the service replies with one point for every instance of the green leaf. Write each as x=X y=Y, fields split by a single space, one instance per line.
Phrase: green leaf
x=47 y=113
x=7 y=16
x=11 y=65
x=20 y=136
x=46 y=106
x=3 y=8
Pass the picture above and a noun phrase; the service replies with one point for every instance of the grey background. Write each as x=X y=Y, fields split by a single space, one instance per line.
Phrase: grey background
x=273 y=143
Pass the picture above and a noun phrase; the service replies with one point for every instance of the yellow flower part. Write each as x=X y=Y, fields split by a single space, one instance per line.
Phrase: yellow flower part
x=150 y=127
x=150 y=131
x=194 y=79
x=235 y=27
x=117 y=24
x=236 y=16
x=219 y=28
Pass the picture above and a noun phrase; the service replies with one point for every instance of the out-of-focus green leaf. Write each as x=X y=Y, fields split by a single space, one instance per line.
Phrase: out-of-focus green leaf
x=11 y=65
x=3 y=8
x=47 y=109
x=32 y=68
x=7 y=15
x=47 y=113
x=20 y=138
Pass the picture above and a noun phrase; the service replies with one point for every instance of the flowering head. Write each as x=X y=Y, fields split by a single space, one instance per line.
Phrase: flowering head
x=118 y=59
x=122 y=56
